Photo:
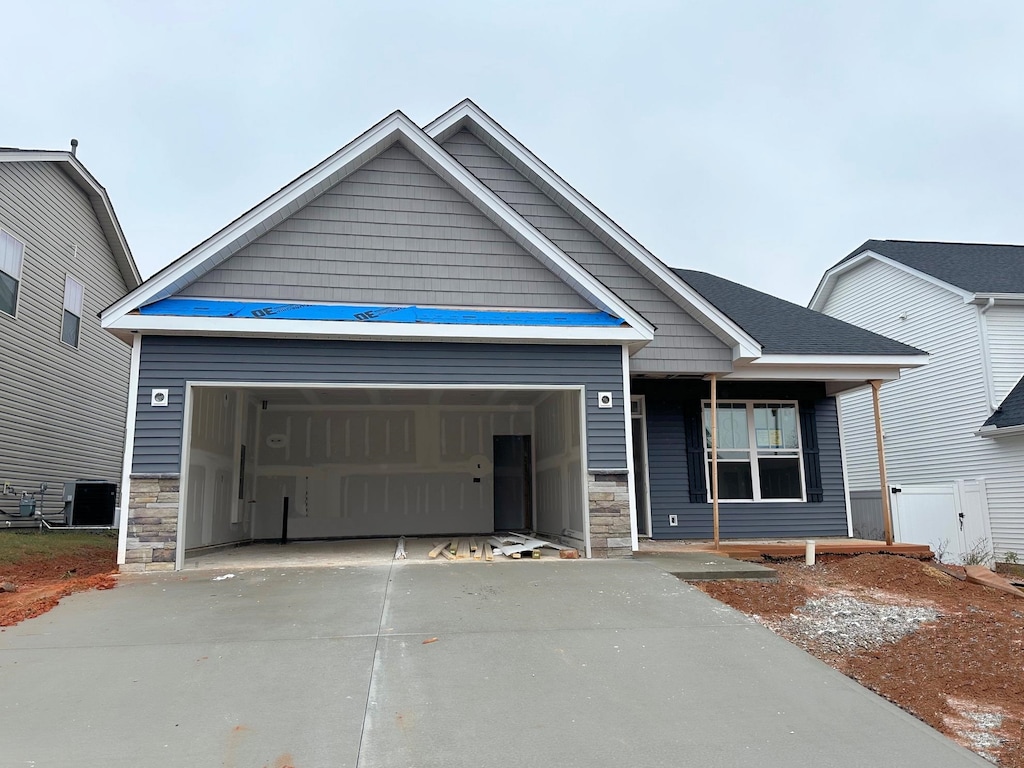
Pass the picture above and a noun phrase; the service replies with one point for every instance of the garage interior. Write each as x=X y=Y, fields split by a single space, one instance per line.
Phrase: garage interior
x=361 y=462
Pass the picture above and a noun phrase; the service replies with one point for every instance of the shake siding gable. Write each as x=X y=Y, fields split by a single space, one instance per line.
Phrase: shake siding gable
x=62 y=410
x=393 y=232
x=681 y=344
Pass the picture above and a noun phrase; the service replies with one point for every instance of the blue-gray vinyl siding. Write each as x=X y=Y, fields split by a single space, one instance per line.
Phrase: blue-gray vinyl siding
x=670 y=482
x=170 y=362
x=393 y=232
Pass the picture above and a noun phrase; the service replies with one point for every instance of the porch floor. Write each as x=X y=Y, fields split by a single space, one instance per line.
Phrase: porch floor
x=751 y=549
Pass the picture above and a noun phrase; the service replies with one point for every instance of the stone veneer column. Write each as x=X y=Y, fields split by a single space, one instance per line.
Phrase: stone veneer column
x=610 y=534
x=152 y=523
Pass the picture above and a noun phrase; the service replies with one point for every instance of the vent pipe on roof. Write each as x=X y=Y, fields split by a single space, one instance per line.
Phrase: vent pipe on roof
x=74 y=147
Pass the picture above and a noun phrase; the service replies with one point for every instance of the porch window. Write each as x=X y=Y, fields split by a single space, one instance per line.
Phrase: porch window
x=759 y=456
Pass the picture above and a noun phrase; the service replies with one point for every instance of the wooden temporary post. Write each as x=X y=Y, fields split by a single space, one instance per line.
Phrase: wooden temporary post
x=876 y=385
x=714 y=455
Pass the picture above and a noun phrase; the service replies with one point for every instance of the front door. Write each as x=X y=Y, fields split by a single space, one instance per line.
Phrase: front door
x=513 y=482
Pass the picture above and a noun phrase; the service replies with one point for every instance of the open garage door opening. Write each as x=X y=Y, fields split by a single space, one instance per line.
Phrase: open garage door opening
x=329 y=462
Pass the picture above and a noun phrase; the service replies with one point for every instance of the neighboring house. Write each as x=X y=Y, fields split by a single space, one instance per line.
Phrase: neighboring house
x=960 y=420
x=63 y=258
x=431 y=332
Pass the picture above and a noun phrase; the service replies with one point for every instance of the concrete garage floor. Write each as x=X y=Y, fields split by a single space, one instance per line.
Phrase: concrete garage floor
x=536 y=663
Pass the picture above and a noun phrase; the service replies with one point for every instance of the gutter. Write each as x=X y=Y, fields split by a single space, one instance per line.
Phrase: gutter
x=1017 y=429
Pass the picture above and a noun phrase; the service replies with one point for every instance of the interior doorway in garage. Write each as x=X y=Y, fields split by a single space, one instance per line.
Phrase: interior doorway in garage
x=357 y=461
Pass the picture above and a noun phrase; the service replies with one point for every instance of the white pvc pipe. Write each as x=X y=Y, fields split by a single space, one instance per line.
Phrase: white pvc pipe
x=809 y=552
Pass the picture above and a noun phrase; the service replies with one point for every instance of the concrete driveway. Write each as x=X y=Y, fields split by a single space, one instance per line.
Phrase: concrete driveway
x=543 y=663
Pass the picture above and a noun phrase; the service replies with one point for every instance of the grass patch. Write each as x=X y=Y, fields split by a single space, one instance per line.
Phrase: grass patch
x=18 y=546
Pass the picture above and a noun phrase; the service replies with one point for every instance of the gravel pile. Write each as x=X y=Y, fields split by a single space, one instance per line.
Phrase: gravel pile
x=842 y=624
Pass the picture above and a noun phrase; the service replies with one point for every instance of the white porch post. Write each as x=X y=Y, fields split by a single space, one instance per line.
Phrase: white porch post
x=714 y=455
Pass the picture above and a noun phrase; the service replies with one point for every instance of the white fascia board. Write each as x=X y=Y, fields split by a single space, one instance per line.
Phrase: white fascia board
x=99 y=199
x=744 y=345
x=829 y=279
x=858 y=373
x=329 y=329
x=897 y=361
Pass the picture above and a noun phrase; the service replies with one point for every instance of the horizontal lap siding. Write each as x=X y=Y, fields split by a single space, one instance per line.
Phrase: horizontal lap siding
x=169 y=362
x=931 y=415
x=669 y=482
x=682 y=345
x=391 y=233
x=62 y=410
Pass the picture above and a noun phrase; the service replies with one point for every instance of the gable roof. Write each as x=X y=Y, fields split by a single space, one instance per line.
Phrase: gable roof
x=970 y=269
x=784 y=328
x=310 y=185
x=1010 y=412
x=98 y=199
x=974 y=267
x=467 y=115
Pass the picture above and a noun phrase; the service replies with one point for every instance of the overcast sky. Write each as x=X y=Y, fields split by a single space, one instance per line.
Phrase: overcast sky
x=761 y=141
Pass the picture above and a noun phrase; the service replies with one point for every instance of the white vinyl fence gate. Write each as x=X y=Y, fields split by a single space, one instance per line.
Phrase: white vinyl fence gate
x=951 y=518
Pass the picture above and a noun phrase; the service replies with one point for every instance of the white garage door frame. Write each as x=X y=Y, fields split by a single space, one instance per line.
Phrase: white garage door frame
x=186 y=432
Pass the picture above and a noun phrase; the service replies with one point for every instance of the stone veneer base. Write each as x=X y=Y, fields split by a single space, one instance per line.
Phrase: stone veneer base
x=608 y=495
x=152 y=523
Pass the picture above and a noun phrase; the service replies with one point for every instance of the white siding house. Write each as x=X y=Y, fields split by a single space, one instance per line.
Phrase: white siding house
x=964 y=305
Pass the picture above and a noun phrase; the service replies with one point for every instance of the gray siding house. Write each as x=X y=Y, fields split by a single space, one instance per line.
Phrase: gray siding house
x=431 y=332
x=63 y=258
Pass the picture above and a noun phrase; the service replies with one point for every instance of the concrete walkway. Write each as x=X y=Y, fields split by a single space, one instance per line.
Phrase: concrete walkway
x=535 y=663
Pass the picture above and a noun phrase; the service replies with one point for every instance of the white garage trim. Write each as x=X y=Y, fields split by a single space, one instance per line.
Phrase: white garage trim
x=187 y=412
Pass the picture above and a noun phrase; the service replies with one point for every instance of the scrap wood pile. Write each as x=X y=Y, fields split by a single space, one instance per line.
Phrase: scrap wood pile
x=512 y=545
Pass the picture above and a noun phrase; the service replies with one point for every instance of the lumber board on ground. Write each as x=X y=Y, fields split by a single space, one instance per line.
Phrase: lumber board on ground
x=447 y=554
x=437 y=550
x=488 y=553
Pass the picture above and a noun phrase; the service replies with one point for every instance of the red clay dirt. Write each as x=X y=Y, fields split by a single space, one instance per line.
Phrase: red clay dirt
x=962 y=674
x=42 y=582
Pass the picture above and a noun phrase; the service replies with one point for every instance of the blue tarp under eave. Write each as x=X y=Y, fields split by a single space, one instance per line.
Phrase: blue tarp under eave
x=182 y=307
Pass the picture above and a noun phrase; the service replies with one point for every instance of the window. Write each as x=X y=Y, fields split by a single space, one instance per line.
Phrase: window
x=12 y=254
x=759 y=457
x=71 y=325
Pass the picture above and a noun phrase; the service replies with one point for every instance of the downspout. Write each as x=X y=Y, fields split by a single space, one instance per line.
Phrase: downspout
x=986 y=358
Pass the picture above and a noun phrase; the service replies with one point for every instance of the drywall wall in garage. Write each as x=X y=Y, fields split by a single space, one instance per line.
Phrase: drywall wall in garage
x=210 y=495
x=380 y=470
x=558 y=461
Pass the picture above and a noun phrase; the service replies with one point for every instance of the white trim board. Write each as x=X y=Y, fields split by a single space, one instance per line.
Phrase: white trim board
x=332 y=329
x=129 y=450
x=395 y=128
x=468 y=115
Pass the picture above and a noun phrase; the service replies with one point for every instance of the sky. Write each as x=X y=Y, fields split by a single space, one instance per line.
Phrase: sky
x=760 y=141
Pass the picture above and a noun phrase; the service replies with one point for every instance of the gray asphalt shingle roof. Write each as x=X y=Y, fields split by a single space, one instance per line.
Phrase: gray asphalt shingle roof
x=974 y=267
x=1011 y=411
x=784 y=328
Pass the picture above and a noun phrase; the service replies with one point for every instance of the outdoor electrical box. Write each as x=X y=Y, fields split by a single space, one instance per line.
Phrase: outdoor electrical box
x=90 y=502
